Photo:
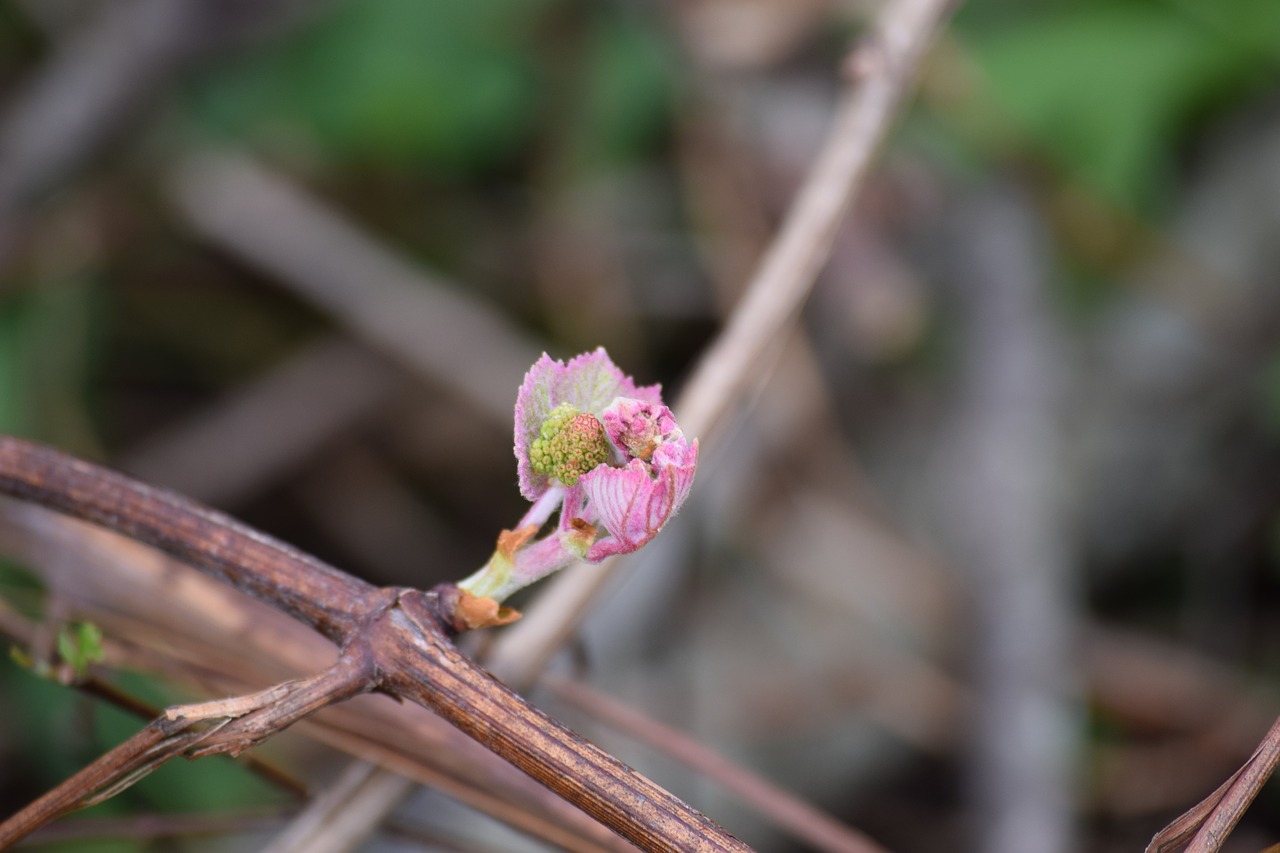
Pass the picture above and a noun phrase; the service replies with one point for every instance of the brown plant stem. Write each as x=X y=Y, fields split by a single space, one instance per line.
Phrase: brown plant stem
x=393 y=640
x=284 y=577
x=1210 y=821
x=437 y=675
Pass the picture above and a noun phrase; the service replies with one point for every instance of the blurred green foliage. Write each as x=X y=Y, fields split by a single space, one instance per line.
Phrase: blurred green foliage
x=49 y=342
x=443 y=87
x=1111 y=89
x=80 y=644
x=626 y=95
x=395 y=81
x=12 y=387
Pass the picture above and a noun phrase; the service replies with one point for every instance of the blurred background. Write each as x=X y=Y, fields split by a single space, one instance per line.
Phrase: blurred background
x=990 y=558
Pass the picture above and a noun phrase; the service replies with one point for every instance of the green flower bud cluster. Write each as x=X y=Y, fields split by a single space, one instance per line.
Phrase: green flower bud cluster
x=569 y=444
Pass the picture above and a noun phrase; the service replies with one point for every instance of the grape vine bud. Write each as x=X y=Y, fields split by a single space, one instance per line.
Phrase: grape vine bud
x=603 y=451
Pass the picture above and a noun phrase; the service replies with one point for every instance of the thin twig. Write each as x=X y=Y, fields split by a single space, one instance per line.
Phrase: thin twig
x=881 y=71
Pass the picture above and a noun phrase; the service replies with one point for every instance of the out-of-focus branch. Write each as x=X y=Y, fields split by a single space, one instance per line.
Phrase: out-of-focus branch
x=789 y=812
x=149 y=827
x=273 y=424
x=344 y=814
x=1003 y=520
x=880 y=72
x=431 y=326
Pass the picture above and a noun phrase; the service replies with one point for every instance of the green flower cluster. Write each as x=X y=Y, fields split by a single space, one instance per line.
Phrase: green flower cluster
x=569 y=444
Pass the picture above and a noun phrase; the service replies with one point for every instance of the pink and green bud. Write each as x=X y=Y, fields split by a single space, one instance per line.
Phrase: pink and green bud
x=604 y=451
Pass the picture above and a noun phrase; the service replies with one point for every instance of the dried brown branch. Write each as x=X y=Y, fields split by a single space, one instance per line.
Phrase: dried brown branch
x=308 y=590
x=228 y=726
x=392 y=640
x=1210 y=821
x=201 y=634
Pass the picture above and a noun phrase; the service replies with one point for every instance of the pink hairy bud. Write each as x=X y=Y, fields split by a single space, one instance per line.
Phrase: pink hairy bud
x=603 y=451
